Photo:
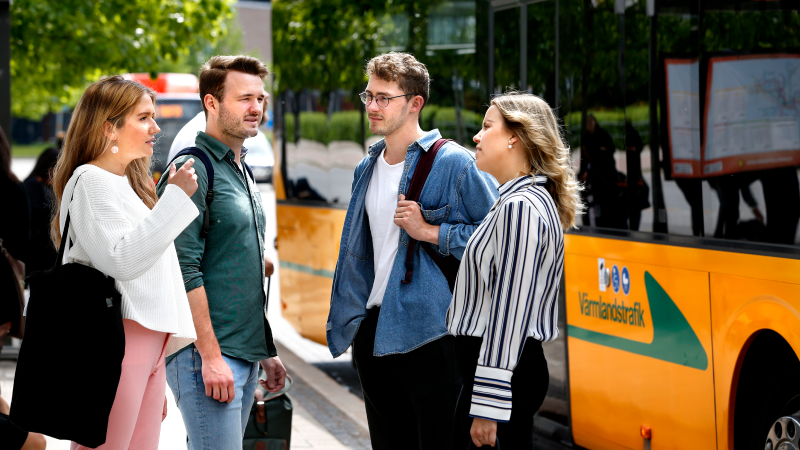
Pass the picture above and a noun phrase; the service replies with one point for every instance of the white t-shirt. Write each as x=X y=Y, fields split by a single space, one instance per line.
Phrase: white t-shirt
x=381 y=204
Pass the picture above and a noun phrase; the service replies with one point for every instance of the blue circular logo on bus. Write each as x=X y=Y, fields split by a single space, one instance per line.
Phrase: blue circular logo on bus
x=626 y=281
x=615 y=278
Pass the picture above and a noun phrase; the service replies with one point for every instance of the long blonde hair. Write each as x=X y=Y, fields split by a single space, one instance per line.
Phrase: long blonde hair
x=108 y=100
x=532 y=121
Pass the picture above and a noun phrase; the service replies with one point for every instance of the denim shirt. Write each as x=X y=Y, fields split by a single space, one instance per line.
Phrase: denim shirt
x=457 y=196
x=229 y=263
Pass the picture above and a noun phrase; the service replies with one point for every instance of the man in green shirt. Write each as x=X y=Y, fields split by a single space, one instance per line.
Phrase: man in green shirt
x=214 y=379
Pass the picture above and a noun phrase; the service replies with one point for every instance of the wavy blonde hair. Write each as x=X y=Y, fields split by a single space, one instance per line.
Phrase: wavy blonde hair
x=108 y=100
x=535 y=125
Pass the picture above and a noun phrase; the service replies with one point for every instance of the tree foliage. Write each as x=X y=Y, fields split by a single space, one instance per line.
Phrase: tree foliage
x=59 y=46
x=323 y=44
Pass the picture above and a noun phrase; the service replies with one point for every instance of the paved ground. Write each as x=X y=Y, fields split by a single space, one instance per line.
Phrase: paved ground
x=317 y=423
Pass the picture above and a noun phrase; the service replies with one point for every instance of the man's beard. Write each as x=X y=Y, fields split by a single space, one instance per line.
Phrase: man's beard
x=233 y=126
x=390 y=126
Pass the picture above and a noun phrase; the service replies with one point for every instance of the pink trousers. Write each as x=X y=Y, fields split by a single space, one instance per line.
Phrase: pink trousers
x=135 y=420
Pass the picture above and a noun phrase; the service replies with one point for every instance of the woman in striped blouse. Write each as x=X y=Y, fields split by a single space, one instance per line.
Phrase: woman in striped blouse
x=505 y=299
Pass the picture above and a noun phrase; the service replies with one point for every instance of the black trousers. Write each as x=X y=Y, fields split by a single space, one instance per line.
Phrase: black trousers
x=529 y=385
x=411 y=397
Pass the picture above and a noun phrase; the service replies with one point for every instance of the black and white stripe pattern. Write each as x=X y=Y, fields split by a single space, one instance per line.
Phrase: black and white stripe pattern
x=507 y=288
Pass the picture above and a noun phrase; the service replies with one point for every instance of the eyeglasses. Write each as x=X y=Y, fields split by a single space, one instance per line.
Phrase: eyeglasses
x=383 y=101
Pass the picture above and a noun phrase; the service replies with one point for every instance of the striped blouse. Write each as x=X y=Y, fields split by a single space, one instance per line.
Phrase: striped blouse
x=507 y=288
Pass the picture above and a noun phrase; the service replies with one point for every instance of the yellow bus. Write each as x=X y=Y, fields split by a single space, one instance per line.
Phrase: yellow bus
x=680 y=308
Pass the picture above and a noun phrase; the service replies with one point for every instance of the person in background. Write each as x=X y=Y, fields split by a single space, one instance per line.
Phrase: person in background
x=14 y=233
x=599 y=171
x=640 y=191
x=60 y=135
x=120 y=227
x=42 y=253
x=505 y=302
x=13 y=437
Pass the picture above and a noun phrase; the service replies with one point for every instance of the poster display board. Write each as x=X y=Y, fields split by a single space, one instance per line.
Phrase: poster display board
x=752 y=107
x=683 y=115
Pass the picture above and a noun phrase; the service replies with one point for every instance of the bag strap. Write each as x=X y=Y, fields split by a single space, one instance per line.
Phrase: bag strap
x=249 y=171
x=65 y=233
x=424 y=166
x=195 y=151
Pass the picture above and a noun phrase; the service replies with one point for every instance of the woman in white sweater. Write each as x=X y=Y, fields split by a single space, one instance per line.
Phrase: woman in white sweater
x=120 y=227
x=505 y=302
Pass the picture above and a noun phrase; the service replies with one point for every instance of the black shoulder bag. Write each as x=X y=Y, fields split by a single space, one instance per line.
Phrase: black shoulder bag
x=447 y=264
x=73 y=338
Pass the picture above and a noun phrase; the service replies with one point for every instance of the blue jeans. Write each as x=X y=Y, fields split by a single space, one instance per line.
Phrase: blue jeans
x=210 y=424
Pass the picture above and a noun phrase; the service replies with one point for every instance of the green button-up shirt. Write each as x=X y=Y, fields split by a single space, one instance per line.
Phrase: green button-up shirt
x=230 y=261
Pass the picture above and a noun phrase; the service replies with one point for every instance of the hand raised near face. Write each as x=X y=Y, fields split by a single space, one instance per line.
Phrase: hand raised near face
x=408 y=216
x=185 y=178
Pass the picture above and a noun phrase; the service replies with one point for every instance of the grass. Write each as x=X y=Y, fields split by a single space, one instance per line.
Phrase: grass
x=28 y=151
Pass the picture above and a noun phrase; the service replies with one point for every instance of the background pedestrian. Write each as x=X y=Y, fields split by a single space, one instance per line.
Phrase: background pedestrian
x=14 y=232
x=39 y=189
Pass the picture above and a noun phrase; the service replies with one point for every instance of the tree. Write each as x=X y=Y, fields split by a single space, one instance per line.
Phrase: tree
x=59 y=46
x=323 y=44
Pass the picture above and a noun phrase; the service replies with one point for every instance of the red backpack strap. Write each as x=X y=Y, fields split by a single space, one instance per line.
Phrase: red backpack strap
x=424 y=165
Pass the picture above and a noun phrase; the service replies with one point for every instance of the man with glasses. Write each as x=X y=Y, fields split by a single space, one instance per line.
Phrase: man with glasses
x=395 y=322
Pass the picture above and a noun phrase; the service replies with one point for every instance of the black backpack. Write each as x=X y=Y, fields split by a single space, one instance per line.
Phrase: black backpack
x=194 y=151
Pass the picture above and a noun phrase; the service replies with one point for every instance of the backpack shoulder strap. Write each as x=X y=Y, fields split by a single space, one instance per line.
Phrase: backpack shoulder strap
x=249 y=171
x=423 y=169
x=194 y=151
x=421 y=172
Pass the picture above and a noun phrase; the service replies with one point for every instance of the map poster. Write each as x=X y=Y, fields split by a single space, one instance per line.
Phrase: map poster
x=683 y=115
x=752 y=113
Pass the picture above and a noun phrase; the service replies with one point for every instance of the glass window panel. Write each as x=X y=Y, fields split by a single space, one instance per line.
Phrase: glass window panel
x=662 y=91
x=506 y=50
x=324 y=147
x=593 y=106
x=541 y=51
x=750 y=70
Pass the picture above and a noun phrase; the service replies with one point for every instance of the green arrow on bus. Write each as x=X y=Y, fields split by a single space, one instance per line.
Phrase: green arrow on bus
x=674 y=340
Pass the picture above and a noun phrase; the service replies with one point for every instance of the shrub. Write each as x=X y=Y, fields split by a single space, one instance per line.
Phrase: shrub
x=345 y=126
x=445 y=121
x=427 y=116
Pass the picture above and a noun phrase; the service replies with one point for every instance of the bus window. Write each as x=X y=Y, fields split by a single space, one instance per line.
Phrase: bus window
x=320 y=160
x=751 y=121
x=172 y=113
x=663 y=100
x=593 y=108
x=506 y=50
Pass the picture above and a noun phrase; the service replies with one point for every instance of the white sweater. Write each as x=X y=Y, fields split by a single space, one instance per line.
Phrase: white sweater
x=113 y=231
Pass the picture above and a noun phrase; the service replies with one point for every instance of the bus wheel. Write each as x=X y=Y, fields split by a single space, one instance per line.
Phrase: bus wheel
x=767 y=387
x=784 y=434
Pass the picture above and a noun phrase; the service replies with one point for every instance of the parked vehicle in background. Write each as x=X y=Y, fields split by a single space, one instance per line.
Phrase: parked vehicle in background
x=177 y=102
x=260 y=157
